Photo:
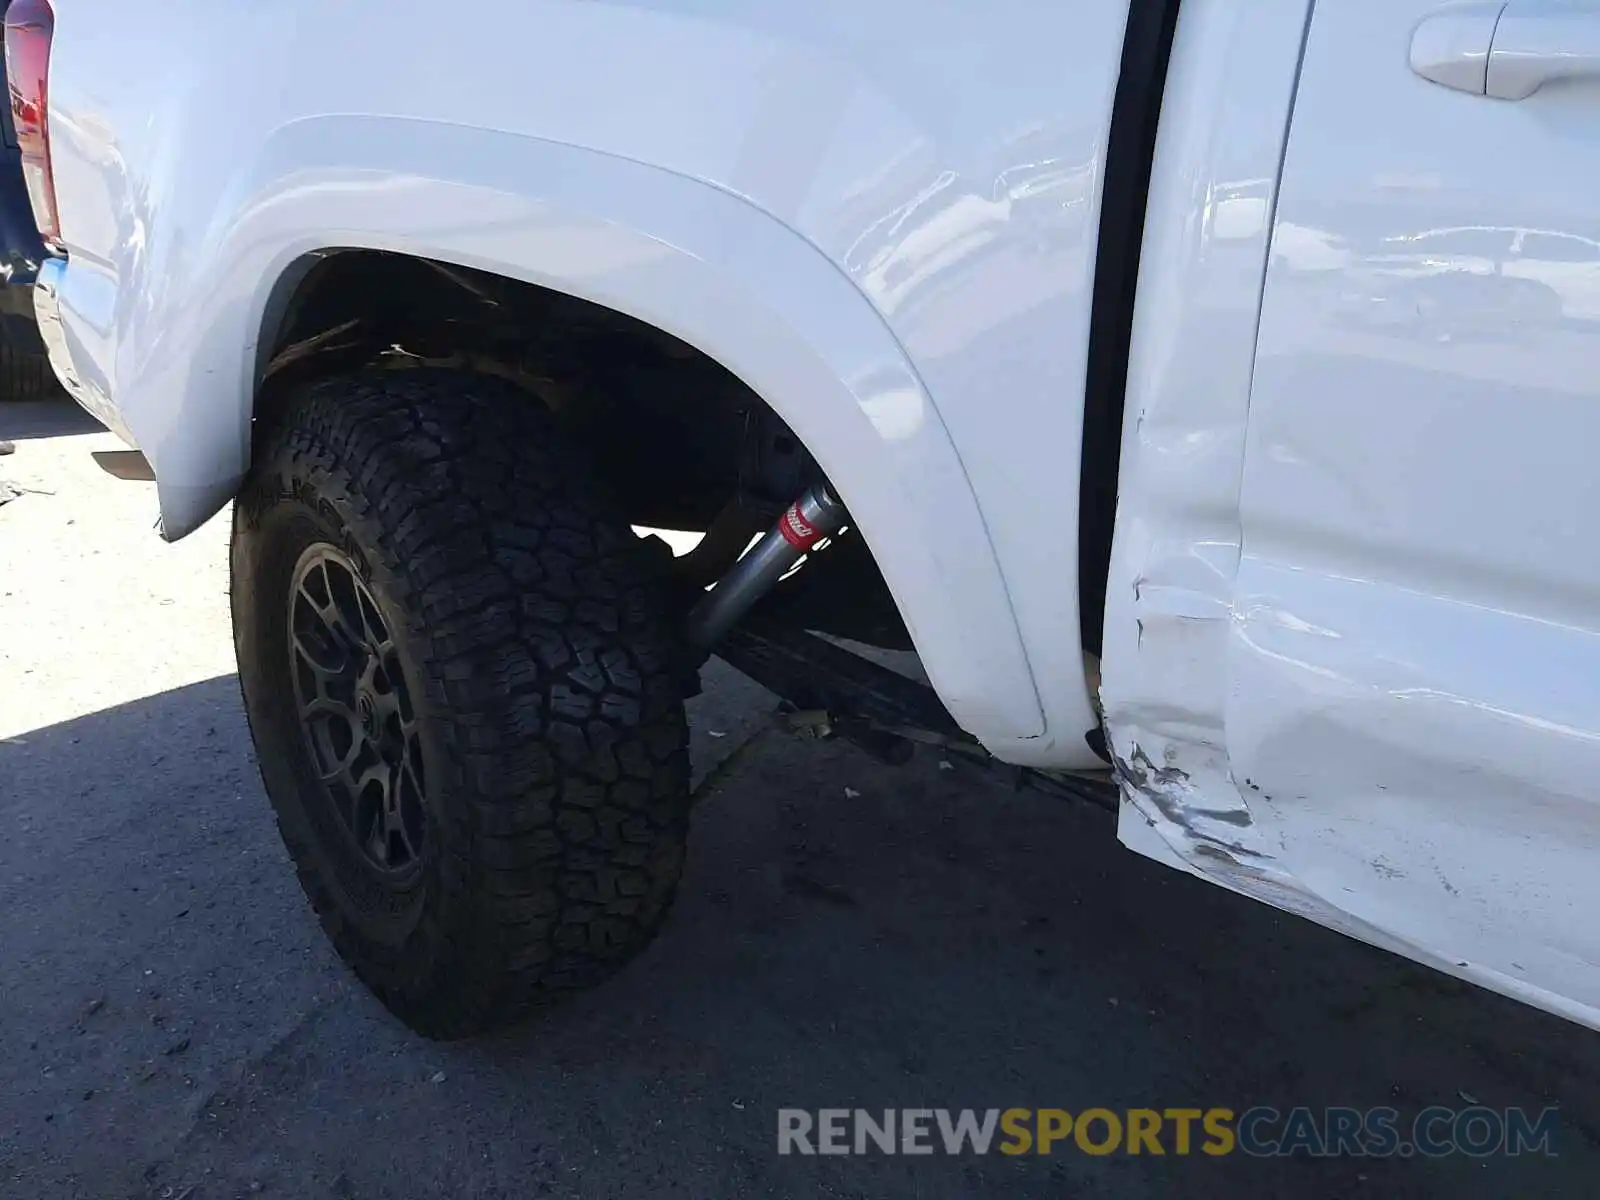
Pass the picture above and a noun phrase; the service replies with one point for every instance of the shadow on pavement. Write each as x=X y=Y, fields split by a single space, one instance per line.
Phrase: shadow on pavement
x=22 y=421
x=172 y=1017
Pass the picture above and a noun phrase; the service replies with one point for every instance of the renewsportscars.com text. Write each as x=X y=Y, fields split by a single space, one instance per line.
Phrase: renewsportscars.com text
x=1260 y=1131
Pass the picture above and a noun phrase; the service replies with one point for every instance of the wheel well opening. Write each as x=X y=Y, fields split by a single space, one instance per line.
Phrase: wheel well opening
x=664 y=422
x=681 y=442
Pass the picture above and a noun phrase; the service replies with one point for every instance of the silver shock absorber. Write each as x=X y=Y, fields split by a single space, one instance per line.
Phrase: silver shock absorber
x=815 y=515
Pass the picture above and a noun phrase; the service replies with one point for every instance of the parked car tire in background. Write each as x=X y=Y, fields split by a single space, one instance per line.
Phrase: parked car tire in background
x=25 y=372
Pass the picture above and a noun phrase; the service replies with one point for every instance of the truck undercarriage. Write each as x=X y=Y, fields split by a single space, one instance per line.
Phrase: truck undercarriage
x=684 y=446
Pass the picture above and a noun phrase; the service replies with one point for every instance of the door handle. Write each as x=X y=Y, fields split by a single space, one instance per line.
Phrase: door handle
x=1507 y=50
x=1451 y=47
x=1535 y=44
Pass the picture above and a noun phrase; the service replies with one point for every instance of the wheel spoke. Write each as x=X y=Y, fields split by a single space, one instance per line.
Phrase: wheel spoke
x=353 y=608
x=376 y=843
x=375 y=631
x=375 y=772
x=335 y=737
x=330 y=706
x=328 y=593
x=405 y=808
x=396 y=680
x=370 y=787
x=322 y=657
x=354 y=706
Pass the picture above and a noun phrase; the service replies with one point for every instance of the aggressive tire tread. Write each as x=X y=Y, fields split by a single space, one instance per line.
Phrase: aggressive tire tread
x=537 y=635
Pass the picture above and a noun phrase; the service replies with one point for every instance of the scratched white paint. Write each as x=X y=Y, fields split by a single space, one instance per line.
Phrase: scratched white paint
x=1414 y=670
x=1170 y=596
x=1355 y=596
x=1351 y=636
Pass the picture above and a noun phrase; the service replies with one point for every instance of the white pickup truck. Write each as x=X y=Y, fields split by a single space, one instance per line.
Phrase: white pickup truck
x=1206 y=391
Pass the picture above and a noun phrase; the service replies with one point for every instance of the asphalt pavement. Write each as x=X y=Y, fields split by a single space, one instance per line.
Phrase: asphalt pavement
x=848 y=935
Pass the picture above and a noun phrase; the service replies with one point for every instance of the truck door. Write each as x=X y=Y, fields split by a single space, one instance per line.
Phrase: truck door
x=1413 y=705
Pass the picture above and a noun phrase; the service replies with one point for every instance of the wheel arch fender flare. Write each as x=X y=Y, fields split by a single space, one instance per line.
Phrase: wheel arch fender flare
x=692 y=259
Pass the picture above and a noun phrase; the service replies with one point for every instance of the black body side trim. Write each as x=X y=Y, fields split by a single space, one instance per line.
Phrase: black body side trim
x=1130 y=149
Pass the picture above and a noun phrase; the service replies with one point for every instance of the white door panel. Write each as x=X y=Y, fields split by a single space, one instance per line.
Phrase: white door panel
x=1414 y=663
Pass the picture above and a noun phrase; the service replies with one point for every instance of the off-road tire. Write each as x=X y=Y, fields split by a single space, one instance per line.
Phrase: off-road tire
x=544 y=673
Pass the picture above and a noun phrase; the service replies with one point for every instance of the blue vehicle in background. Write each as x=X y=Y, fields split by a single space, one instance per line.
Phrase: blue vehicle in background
x=24 y=367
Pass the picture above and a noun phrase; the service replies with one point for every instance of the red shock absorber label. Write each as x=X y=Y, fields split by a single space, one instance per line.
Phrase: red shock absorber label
x=796 y=530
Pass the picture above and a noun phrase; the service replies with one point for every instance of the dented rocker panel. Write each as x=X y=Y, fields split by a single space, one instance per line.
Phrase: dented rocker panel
x=1169 y=600
x=1350 y=642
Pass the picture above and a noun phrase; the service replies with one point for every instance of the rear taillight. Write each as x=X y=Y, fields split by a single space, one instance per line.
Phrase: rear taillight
x=29 y=26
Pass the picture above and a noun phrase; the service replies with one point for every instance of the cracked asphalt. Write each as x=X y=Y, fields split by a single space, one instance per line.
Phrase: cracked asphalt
x=172 y=1023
